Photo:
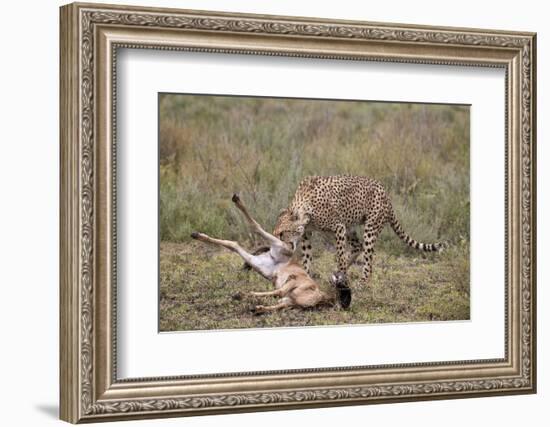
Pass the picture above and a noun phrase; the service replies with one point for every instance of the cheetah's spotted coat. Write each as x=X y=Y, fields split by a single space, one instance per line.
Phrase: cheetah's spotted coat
x=335 y=204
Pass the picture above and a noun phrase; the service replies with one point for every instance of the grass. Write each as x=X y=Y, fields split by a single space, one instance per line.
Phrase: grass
x=213 y=146
x=202 y=287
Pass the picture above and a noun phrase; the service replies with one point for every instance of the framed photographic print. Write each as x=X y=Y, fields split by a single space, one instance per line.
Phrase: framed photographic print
x=264 y=212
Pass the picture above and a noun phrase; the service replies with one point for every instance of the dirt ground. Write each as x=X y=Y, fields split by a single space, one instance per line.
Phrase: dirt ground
x=203 y=287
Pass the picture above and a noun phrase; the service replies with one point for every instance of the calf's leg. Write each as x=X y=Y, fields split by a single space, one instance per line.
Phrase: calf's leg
x=284 y=303
x=235 y=247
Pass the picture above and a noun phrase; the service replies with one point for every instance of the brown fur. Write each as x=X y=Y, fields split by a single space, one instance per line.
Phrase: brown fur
x=293 y=286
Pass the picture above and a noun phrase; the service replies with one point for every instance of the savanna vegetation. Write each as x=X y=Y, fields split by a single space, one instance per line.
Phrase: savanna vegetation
x=213 y=146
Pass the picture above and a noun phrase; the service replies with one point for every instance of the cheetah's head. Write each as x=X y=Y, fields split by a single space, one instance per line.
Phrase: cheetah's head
x=290 y=227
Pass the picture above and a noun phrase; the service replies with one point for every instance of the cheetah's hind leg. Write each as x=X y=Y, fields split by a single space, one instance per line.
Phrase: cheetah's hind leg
x=370 y=234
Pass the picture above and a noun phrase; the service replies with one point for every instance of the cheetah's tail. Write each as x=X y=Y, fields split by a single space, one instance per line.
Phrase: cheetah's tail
x=427 y=247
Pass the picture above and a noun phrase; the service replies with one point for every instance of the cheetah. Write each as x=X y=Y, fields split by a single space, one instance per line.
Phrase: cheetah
x=336 y=204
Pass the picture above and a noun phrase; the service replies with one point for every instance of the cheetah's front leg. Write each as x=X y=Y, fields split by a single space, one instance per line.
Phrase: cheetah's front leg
x=341 y=247
x=306 y=252
x=356 y=247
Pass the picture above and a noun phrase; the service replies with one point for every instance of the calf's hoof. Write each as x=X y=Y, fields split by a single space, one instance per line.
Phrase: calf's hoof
x=259 y=309
x=339 y=280
x=195 y=235
x=344 y=297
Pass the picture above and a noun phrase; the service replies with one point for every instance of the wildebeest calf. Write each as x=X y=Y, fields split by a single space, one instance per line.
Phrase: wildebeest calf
x=292 y=284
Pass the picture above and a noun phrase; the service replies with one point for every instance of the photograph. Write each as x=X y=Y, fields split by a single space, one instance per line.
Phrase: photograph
x=290 y=212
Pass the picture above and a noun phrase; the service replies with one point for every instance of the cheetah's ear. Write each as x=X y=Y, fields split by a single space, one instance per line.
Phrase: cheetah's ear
x=282 y=211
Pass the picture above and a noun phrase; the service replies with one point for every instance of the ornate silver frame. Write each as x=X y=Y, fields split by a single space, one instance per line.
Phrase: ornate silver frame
x=90 y=36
